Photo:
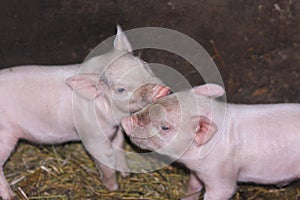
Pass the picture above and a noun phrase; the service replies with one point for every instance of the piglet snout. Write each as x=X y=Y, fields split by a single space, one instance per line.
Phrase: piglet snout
x=160 y=91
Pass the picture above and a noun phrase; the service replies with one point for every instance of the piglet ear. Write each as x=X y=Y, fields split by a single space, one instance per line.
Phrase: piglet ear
x=204 y=130
x=85 y=85
x=210 y=90
x=121 y=42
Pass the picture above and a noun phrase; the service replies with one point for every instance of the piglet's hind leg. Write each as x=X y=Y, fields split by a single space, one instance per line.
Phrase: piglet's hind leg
x=7 y=144
x=109 y=179
x=194 y=188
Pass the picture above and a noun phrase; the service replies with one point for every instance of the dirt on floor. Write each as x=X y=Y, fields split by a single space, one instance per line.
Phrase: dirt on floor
x=255 y=45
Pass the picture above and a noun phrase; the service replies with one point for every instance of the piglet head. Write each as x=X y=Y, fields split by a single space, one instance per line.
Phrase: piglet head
x=131 y=81
x=172 y=124
x=125 y=82
x=157 y=127
x=148 y=127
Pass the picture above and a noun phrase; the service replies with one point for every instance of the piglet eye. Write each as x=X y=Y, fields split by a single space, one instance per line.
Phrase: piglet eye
x=165 y=128
x=120 y=90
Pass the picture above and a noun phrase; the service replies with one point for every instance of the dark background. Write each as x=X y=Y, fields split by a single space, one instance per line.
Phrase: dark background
x=258 y=41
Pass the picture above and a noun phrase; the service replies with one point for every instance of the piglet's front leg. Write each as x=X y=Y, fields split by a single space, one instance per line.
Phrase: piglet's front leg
x=119 y=153
x=194 y=188
x=219 y=188
x=5 y=191
x=102 y=151
x=117 y=158
x=108 y=176
x=8 y=140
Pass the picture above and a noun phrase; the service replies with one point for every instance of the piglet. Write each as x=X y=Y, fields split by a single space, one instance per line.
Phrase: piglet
x=221 y=144
x=36 y=105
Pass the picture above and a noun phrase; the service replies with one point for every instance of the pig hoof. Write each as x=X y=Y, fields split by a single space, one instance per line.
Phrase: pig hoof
x=113 y=187
x=110 y=185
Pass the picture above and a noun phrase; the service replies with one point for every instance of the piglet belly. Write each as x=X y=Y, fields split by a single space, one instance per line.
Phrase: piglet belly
x=272 y=174
x=51 y=136
x=272 y=164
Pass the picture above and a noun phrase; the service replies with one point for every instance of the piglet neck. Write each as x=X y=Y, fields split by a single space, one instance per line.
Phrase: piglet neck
x=195 y=156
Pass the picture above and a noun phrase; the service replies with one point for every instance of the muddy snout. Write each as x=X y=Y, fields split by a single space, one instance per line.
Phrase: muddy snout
x=133 y=122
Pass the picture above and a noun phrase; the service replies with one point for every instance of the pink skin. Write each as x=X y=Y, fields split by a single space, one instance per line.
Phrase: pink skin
x=36 y=105
x=254 y=143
